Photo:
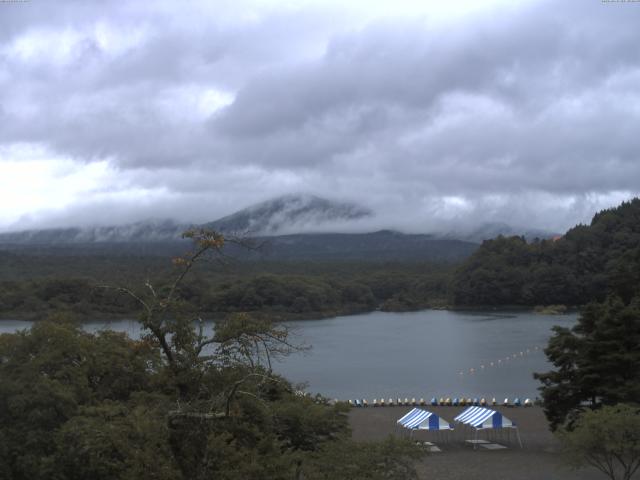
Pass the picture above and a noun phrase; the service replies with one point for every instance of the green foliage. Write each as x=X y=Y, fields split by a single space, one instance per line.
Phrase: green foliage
x=393 y=459
x=177 y=404
x=116 y=440
x=583 y=265
x=49 y=374
x=607 y=439
x=280 y=291
x=75 y=405
x=596 y=362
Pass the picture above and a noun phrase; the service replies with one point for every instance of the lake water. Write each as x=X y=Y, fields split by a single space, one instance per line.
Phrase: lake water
x=417 y=354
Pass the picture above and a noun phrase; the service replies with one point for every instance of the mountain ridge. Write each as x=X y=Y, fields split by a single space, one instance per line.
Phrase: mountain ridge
x=293 y=214
x=282 y=215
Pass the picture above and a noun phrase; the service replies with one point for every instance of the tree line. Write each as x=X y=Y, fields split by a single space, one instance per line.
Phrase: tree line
x=591 y=394
x=277 y=294
x=586 y=264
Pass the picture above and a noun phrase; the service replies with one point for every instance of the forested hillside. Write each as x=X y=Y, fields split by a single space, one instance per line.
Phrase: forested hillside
x=586 y=264
x=32 y=287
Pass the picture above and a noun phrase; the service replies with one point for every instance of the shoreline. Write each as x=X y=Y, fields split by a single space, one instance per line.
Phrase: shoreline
x=292 y=317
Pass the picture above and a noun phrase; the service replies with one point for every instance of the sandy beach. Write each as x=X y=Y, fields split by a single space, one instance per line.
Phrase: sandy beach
x=537 y=460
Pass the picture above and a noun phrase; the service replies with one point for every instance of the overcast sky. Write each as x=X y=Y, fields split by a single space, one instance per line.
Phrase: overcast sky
x=427 y=112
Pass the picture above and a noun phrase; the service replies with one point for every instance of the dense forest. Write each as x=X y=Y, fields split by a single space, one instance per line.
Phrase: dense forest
x=33 y=286
x=175 y=404
x=586 y=264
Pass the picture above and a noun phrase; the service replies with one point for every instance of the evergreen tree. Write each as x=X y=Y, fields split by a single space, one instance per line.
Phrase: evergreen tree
x=596 y=362
x=586 y=264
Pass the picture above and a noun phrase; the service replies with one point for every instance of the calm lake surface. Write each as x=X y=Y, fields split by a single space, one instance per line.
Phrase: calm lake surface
x=417 y=354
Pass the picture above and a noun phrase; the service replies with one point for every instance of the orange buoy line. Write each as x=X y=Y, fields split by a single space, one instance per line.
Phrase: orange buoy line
x=500 y=361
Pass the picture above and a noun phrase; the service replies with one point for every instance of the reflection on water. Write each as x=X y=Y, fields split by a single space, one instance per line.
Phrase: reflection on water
x=416 y=354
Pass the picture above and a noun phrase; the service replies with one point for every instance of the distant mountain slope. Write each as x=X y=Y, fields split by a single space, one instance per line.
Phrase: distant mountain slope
x=289 y=214
x=286 y=214
x=585 y=264
x=377 y=246
x=146 y=231
x=288 y=226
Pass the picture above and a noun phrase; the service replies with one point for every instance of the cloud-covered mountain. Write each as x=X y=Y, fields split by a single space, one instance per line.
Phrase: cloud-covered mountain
x=291 y=227
x=145 y=231
x=294 y=213
x=290 y=222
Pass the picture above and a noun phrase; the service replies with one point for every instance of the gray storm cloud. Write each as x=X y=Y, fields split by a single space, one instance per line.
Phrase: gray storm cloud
x=527 y=115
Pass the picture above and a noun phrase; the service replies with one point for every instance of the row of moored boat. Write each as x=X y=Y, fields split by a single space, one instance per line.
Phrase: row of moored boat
x=443 y=402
